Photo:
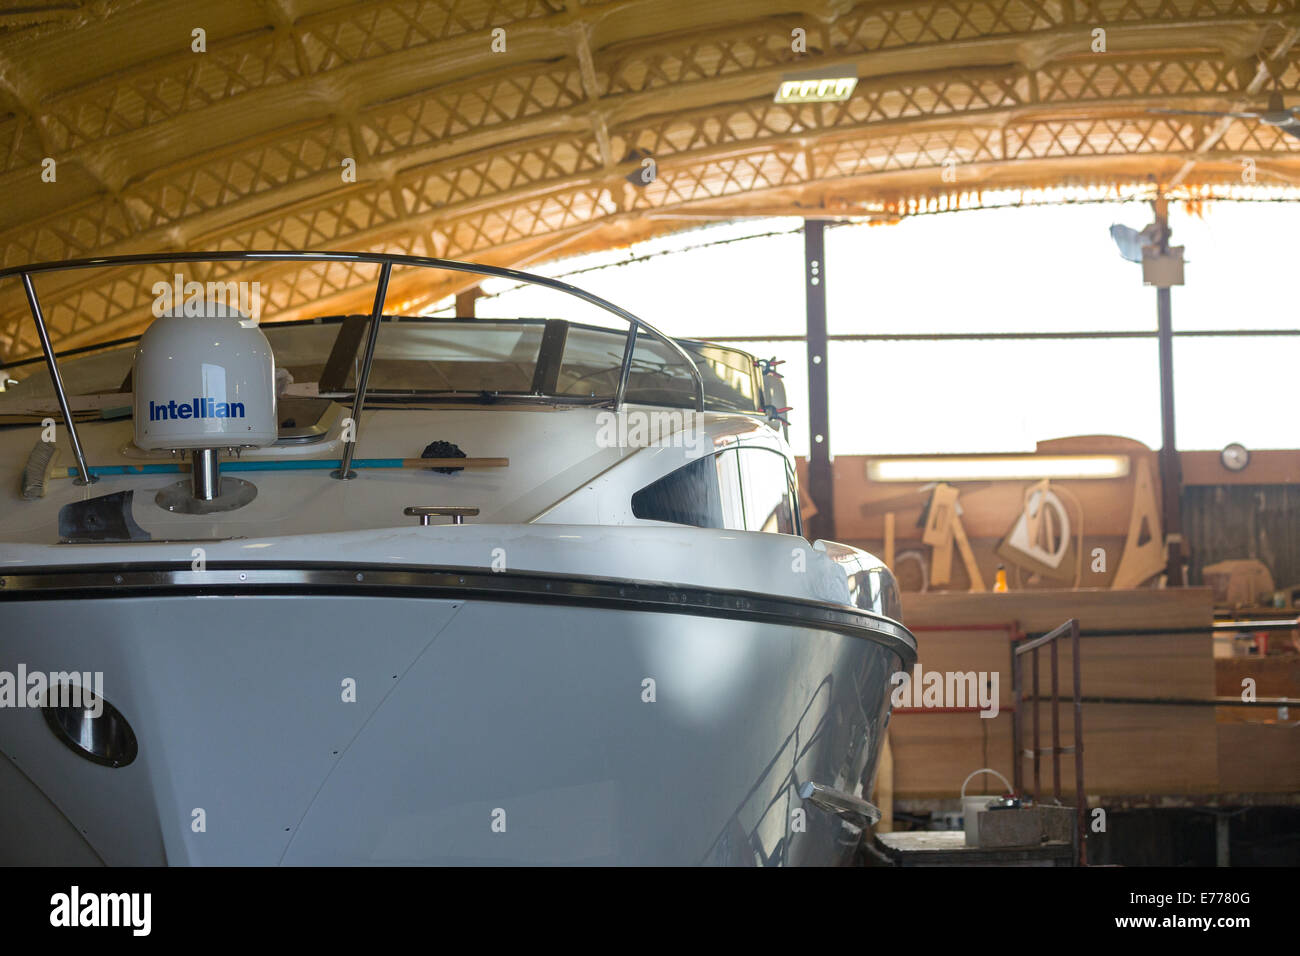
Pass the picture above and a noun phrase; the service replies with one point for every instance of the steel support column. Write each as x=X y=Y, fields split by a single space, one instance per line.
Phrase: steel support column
x=820 y=480
x=1171 y=472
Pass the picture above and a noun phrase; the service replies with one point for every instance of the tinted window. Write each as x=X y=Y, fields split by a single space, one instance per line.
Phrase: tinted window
x=740 y=489
x=769 y=505
x=688 y=495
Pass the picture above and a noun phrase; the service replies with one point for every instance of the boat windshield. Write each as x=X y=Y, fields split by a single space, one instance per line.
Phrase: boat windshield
x=437 y=359
x=458 y=360
x=552 y=358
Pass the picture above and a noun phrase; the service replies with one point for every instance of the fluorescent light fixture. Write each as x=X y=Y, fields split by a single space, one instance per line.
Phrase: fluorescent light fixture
x=997 y=468
x=830 y=85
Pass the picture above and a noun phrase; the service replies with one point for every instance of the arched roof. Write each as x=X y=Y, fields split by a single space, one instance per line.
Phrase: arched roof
x=504 y=131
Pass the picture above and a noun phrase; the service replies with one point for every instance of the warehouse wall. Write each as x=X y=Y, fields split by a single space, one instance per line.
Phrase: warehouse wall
x=1227 y=522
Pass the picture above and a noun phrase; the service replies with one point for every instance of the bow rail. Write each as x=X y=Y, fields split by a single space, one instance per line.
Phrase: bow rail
x=386 y=262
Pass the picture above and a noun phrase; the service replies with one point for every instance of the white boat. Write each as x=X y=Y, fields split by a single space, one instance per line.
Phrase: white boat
x=613 y=647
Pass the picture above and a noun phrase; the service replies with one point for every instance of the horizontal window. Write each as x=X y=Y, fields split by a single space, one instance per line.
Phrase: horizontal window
x=964 y=397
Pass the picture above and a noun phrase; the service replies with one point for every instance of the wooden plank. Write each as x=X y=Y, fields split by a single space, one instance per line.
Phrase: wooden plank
x=1259 y=758
x=1135 y=748
x=1173 y=665
x=986 y=652
x=933 y=753
x=941 y=563
x=967 y=557
x=1142 y=560
x=1127 y=749
x=939 y=519
x=1273 y=676
x=1040 y=611
x=1169 y=666
x=938 y=533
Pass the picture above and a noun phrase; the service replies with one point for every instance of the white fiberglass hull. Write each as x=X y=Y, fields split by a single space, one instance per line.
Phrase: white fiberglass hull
x=482 y=733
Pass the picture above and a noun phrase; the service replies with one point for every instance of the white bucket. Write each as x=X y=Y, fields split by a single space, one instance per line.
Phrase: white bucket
x=972 y=807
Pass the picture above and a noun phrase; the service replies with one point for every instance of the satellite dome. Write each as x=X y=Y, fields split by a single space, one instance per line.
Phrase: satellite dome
x=204 y=381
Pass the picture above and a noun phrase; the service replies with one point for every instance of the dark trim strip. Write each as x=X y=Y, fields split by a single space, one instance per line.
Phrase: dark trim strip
x=343 y=354
x=550 y=357
x=139 y=580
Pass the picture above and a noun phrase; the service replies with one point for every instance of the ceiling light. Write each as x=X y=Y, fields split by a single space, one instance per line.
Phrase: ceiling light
x=830 y=85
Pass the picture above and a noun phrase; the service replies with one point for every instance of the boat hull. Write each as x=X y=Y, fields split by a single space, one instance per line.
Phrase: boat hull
x=429 y=728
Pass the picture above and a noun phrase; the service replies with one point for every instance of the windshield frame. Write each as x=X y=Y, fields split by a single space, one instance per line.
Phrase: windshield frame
x=550 y=357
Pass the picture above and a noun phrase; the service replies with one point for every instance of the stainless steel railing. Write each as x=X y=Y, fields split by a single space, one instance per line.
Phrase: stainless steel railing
x=386 y=262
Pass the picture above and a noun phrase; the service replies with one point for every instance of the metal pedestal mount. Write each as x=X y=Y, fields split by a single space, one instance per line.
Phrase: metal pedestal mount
x=206 y=492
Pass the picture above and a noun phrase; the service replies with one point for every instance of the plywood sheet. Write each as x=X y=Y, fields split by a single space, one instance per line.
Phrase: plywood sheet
x=933 y=753
x=1256 y=758
x=1273 y=676
x=1143 y=609
x=1128 y=749
x=1168 y=666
